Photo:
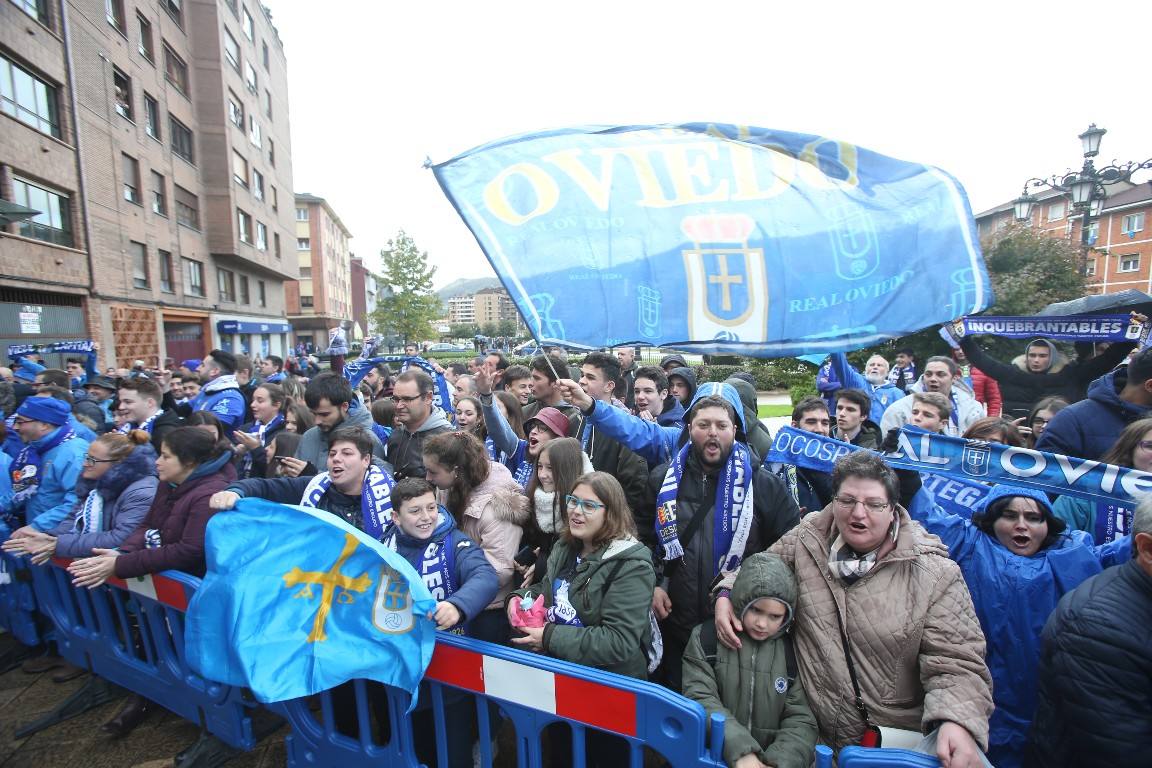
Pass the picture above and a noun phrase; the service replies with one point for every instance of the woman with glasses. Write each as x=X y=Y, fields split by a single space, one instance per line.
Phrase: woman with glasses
x=1037 y=420
x=489 y=508
x=886 y=635
x=1105 y=521
x=598 y=592
x=117 y=485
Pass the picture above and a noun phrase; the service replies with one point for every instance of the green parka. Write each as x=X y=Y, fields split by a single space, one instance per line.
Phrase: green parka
x=616 y=628
x=764 y=715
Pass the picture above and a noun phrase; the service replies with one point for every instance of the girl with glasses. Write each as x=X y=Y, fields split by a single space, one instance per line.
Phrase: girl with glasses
x=598 y=590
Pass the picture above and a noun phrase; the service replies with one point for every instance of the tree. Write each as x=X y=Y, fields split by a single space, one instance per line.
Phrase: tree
x=506 y=328
x=411 y=305
x=463 y=331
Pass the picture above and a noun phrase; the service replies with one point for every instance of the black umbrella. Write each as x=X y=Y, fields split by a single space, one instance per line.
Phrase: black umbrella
x=11 y=213
x=1102 y=304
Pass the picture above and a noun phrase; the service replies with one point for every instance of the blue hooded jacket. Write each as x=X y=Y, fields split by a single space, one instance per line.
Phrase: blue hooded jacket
x=1014 y=596
x=1089 y=428
x=883 y=395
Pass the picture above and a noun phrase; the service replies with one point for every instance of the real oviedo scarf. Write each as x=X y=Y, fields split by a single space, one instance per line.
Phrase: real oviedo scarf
x=26 y=470
x=375 y=498
x=731 y=517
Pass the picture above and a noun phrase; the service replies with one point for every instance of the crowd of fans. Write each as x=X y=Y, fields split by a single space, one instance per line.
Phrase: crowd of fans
x=623 y=517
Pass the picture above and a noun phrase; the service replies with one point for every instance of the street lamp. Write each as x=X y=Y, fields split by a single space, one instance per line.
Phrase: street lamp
x=1086 y=188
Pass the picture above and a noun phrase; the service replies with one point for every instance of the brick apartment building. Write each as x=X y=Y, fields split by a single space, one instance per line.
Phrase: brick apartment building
x=322 y=298
x=1121 y=253
x=156 y=146
x=365 y=291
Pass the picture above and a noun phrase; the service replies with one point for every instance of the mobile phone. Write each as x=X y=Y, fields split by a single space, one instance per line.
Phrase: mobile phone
x=526 y=556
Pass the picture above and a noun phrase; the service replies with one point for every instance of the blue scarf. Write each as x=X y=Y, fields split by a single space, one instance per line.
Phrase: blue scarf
x=1112 y=521
x=356 y=370
x=437 y=566
x=1093 y=328
x=375 y=498
x=262 y=431
x=145 y=425
x=518 y=463
x=731 y=517
x=91 y=517
x=275 y=378
x=26 y=468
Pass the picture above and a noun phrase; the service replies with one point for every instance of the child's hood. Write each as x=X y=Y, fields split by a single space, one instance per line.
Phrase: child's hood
x=764 y=575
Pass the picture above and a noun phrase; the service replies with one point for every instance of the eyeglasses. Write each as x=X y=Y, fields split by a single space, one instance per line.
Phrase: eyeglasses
x=1039 y=422
x=586 y=507
x=406 y=399
x=90 y=460
x=21 y=420
x=848 y=503
x=1144 y=445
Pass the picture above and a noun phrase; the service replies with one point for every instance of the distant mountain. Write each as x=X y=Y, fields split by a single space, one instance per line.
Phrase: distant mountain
x=466 y=285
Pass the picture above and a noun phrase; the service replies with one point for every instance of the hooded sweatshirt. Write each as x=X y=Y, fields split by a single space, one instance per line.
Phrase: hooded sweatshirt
x=689 y=378
x=314 y=445
x=759 y=438
x=766 y=713
x=405 y=449
x=1089 y=428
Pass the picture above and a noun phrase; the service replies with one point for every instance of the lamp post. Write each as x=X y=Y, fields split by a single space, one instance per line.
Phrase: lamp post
x=1087 y=187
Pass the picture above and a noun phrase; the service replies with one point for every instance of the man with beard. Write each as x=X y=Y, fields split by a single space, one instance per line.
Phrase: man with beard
x=627 y=357
x=874 y=382
x=333 y=404
x=940 y=374
x=416 y=420
x=220 y=391
x=272 y=369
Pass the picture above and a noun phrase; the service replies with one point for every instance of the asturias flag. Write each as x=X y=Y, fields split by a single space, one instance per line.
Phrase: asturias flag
x=296 y=601
x=718 y=238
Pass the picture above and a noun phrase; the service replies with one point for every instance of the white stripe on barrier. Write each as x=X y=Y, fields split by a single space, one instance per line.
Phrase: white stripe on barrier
x=520 y=684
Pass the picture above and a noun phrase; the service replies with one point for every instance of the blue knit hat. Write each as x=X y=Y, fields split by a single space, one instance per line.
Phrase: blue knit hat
x=46 y=409
x=28 y=370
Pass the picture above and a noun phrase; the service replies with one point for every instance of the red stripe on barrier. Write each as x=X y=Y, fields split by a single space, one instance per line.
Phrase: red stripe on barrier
x=117 y=582
x=61 y=562
x=600 y=706
x=170 y=592
x=456 y=666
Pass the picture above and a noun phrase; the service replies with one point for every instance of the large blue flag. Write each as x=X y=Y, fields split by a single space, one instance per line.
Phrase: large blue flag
x=296 y=601
x=718 y=238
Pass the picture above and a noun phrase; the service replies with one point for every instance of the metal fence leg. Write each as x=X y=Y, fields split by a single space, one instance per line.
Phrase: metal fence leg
x=207 y=752
x=94 y=693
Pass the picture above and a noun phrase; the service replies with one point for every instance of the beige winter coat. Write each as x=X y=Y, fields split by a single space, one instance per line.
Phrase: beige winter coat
x=494 y=518
x=916 y=642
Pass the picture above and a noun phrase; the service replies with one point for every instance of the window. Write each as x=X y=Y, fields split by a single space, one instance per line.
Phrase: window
x=147 y=46
x=255 y=135
x=233 y=6
x=257 y=184
x=175 y=9
x=226 y=284
x=1056 y=211
x=1129 y=263
x=1133 y=222
x=166 y=272
x=187 y=207
x=175 y=70
x=1093 y=232
x=231 y=50
x=182 y=144
x=301 y=214
x=244 y=297
x=306 y=301
x=152 y=117
x=276 y=244
x=244 y=225
x=1090 y=268
x=139 y=264
x=28 y=98
x=261 y=236
x=131 y=169
x=122 y=89
x=159 y=195
x=235 y=110
x=261 y=293
x=303 y=244
x=114 y=9
x=246 y=24
x=37 y=9
x=275 y=199
x=305 y=273
x=271 y=153
x=239 y=169
x=193 y=277
x=250 y=77
x=54 y=222
x=267 y=104
x=264 y=50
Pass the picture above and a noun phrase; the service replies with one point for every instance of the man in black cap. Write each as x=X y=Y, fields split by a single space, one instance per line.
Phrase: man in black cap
x=102 y=391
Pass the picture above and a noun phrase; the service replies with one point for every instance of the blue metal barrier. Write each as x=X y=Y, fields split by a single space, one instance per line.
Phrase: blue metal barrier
x=863 y=757
x=18 y=601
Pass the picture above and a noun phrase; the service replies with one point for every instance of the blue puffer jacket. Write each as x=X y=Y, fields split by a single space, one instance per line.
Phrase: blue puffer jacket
x=1014 y=596
x=1087 y=429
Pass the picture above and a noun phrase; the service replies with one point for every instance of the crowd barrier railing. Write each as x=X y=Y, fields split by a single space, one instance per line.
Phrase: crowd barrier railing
x=131 y=633
x=18 y=613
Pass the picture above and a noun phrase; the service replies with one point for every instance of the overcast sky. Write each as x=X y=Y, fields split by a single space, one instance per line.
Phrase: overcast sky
x=992 y=92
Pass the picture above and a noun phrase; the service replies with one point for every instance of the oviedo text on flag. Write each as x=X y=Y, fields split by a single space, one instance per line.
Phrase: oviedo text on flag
x=718 y=238
x=296 y=601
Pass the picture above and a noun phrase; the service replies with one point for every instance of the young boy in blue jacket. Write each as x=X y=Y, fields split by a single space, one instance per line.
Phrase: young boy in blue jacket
x=462 y=581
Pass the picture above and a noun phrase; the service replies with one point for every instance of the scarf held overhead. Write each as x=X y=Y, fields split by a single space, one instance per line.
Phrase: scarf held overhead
x=356 y=370
x=1086 y=328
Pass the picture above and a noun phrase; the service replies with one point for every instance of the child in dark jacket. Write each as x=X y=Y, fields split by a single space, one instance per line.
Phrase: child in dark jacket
x=767 y=718
x=462 y=581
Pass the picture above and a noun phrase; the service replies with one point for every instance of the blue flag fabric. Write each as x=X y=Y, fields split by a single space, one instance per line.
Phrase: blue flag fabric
x=312 y=606
x=718 y=238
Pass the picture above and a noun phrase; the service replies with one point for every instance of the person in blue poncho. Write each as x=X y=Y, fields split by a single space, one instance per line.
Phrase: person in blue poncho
x=1018 y=560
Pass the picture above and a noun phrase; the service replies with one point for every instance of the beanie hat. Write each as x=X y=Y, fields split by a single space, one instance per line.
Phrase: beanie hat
x=192 y=365
x=46 y=409
x=552 y=419
x=28 y=370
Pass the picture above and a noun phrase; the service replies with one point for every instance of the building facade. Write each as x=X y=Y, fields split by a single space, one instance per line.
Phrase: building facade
x=1120 y=254
x=365 y=290
x=180 y=157
x=322 y=298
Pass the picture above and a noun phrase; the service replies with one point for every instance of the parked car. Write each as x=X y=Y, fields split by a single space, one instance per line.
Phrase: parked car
x=446 y=348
